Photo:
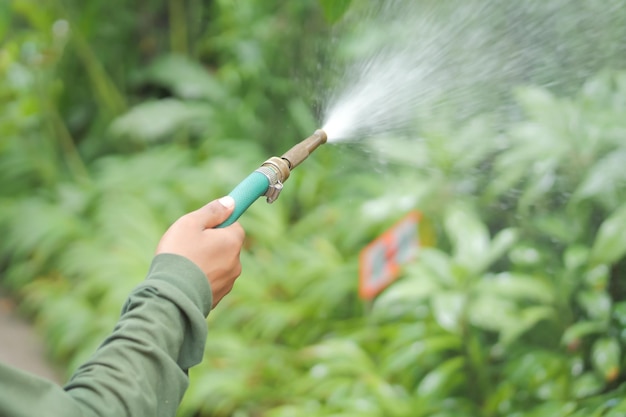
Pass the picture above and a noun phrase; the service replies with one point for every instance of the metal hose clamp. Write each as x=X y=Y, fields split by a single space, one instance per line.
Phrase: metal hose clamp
x=276 y=186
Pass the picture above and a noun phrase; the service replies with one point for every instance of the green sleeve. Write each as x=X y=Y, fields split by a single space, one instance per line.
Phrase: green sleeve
x=141 y=368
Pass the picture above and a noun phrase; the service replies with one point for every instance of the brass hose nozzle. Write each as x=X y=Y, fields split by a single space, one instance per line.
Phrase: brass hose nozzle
x=277 y=169
x=268 y=179
x=302 y=150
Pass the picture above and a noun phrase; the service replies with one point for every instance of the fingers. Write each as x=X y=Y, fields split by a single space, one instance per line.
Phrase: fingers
x=215 y=251
x=214 y=213
x=237 y=231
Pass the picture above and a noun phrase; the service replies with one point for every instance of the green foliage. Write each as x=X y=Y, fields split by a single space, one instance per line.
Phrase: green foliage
x=517 y=311
x=334 y=9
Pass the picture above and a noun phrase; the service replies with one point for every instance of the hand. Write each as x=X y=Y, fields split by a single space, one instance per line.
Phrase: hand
x=215 y=251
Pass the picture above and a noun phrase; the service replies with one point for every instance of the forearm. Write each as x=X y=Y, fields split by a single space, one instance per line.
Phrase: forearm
x=141 y=368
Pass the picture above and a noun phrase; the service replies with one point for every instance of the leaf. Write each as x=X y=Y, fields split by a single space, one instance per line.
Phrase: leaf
x=155 y=120
x=334 y=9
x=605 y=178
x=610 y=243
x=619 y=313
x=575 y=256
x=586 y=385
x=186 y=78
x=605 y=356
x=438 y=344
x=524 y=254
x=597 y=278
x=542 y=182
x=473 y=143
x=560 y=227
x=469 y=237
x=500 y=301
x=448 y=310
x=580 y=330
x=597 y=304
x=536 y=101
x=597 y=88
x=435 y=264
x=616 y=410
x=549 y=125
x=5 y=19
x=443 y=379
x=404 y=296
x=340 y=355
x=492 y=313
x=501 y=243
x=528 y=318
x=518 y=287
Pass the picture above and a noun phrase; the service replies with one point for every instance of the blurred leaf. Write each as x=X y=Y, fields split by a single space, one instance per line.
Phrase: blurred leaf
x=434 y=264
x=575 y=256
x=155 y=120
x=523 y=254
x=186 y=78
x=416 y=351
x=606 y=355
x=560 y=227
x=469 y=236
x=518 y=287
x=605 y=178
x=501 y=243
x=41 y=227
x=586 y=385
x=340 y=356
x=492 y=313
x=597 y=304
x=448 y=309
x=403 y=296
x=619 y=313
x=334 y=9
x=610 y=243
x=580 y=330
x=5 y=19
x=544 y=177
x=528 y=318
x=441 y=381
x=500 y=305
x=597 y=278
x=616 y=410
x=540 y=104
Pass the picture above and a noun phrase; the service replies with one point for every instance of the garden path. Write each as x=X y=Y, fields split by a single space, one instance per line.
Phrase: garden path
x=20 y=345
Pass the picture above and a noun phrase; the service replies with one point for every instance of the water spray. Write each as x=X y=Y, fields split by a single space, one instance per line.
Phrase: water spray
x=269 y=178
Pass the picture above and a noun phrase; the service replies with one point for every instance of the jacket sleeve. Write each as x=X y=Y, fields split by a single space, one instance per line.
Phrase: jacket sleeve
x=141 y=368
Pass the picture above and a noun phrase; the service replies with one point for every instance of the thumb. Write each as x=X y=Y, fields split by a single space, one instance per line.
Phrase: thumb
x=215 y=213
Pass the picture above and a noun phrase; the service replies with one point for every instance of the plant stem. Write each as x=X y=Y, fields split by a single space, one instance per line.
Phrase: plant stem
x=178 y=27
x=476 y=367
x=59 y=130
x=107 y=94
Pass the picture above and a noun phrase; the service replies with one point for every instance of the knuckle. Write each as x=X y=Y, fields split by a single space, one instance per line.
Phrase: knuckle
x=237 y=269
x=234 y=238
x=185 y=220
x=238 y=232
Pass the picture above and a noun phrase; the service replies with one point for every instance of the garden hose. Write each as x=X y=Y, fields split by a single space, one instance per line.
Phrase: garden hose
x=268 y=179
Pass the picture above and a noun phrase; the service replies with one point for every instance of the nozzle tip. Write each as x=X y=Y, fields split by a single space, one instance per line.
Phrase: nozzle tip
x=322 y=135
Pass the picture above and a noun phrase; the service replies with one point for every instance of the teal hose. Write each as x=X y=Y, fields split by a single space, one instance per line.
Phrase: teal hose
x=246 y=193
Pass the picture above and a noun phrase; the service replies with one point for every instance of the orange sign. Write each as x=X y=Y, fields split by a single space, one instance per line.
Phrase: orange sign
x=380 y=261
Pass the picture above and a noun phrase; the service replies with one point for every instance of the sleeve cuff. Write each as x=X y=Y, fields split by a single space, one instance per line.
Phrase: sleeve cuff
x=184 y=275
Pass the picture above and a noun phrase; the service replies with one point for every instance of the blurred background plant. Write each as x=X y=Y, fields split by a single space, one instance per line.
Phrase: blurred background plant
x=113 y=127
